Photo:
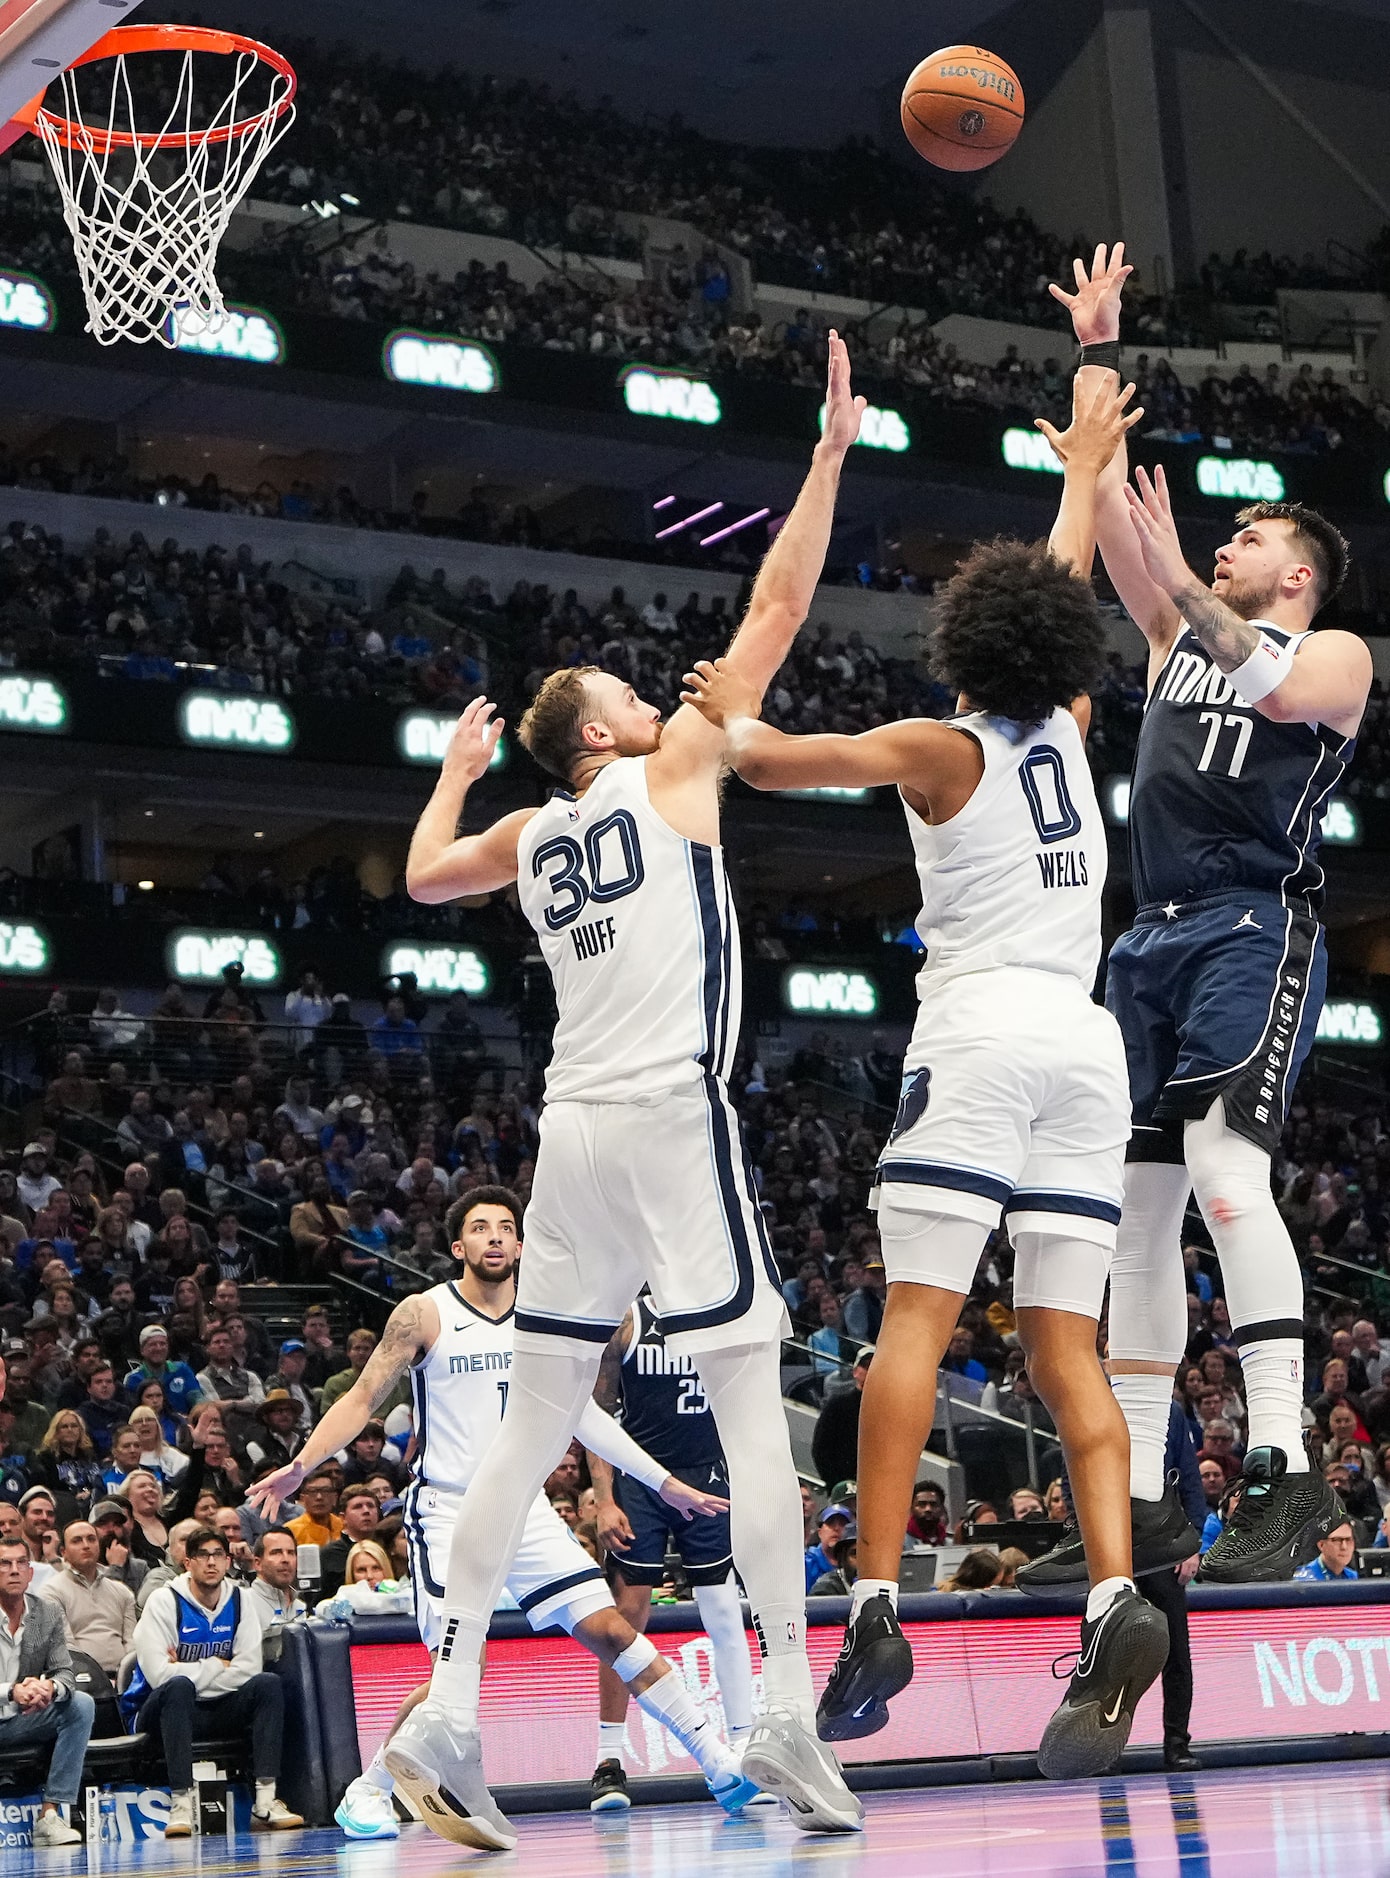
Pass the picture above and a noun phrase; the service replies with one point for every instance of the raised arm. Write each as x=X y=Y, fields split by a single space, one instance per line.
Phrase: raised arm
x=410 y=1329
x=1095 y=315
x=442 y=864
x=785 y=587
x=1097 y=430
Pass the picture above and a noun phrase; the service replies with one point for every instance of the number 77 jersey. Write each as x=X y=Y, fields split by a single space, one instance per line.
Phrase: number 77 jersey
x=637 y=928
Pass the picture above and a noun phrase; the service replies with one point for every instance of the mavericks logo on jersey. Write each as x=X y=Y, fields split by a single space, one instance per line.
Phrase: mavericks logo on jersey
x=1191 y=678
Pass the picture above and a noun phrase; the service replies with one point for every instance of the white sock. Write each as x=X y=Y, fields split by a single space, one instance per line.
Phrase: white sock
x=721 y=1613
x=265 y=1795
x=1273 y=1370
x=787 y=1684
x=456 y=1686
x=669 y=1702
x=1146 y=1403
x=612 y=1739
x=1104 y=1595
x=866 y=1588
x=375 y=1772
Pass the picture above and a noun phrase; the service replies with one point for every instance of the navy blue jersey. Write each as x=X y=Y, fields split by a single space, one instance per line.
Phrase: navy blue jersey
x=663 y=1405
x=1223 y=800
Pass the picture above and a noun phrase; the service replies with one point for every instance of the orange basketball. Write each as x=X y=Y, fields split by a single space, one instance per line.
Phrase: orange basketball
x=962 y=108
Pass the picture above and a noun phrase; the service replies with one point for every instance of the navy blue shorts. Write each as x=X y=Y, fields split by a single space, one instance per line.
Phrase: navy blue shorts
x=1219 y=997
x=703 y=1544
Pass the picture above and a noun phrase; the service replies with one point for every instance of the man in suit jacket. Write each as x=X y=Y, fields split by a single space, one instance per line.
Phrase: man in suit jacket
x=39 y=1699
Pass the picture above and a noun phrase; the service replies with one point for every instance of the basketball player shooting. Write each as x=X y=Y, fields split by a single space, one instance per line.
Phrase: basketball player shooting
x=1013 y=1098
x=1249 y=727
x=640 y=1177
x=454 y=1341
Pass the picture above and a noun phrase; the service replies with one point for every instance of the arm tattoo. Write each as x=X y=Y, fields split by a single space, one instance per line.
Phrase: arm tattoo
x=608 y=1383
x=399 y=1346
x=1229 y=638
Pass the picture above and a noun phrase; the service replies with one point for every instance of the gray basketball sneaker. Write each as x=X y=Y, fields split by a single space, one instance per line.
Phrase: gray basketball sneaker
x=440 y=1767
x=786 y=1759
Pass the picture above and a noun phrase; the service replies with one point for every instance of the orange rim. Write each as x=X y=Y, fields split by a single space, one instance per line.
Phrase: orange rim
x=122 y=40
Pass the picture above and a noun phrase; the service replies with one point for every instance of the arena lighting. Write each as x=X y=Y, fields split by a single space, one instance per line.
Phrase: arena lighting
x=664 y=503
x=247 y=333
x=228 y=721
x=1114 y=798
x=811 y=993
x=829 y=793
x=440 y=969
x=651 y=391
x=1239 y=479
x=880 y=428
x=1386 y=485
x=1341 y=824
x=199 y=957
x=24 y=947
x=26 y=302
x=412 y=358
x=1029 y=450
x=689 y=522
x=1346 y=1020
x=32 y=704
x=722 y=534
x=423 y=737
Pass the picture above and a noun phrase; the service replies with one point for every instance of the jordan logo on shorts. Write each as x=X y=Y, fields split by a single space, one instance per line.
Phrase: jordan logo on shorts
x=1248 y=919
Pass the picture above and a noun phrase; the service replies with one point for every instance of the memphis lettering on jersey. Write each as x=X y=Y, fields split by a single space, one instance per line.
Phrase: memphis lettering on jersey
x=474 y=1360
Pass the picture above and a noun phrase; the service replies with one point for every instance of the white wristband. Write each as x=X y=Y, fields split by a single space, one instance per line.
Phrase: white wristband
x=1264 y=671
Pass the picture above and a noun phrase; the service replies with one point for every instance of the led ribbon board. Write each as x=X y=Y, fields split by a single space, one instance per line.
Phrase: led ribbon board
x=32 y=704
x=25 y=302
x=423 y=737
x=412 y=358
x=1029 y=450
x=1347 y=1020
x=1239 y=479
x=24 y=947
x=880 y=428
x=199 y=957
x=651 y=391
x=229 y=720
x=808 y=992
x=441 y=970
x=246 y=333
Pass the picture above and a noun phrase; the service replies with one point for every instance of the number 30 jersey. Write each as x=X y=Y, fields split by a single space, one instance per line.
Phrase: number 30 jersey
x=1016 y=877
x=638 y=930
x=1223 y=800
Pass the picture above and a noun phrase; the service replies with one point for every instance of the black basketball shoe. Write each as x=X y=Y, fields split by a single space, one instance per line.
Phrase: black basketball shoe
x=608 y=1788
x=875 y=1663
x=1122 y=1653
x=1162 y=1534
x=1274 y=1526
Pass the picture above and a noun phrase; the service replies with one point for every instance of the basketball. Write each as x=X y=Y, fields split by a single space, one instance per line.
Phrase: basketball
x=962 y=108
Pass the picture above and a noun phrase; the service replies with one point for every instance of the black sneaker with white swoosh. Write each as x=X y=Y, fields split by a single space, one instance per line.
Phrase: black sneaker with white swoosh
x=1122 y=1654
x=874 y=1663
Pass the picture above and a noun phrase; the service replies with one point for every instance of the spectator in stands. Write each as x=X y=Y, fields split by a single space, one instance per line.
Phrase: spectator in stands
x=232 y=1253
x=394 y=1034
x=820 y=1557
x=360 y=1516
x=1372 y=1351
x=289 y=1375
x=31 y=1418
x=960 y=1358
x=927 y=1523
x=98 y=1611
x=201 y=1670
x=39 y=1698
x=1336 y=1557
x=360 y=1344
x=179 y=1383
x=838 y=1582
x=272 y=1594
x=112 y=1521
x=66 y=1461
x=835 y=1439
x=323 y=1358
x=1219 y=1445
x=239 y=1389
x=863 y=1312
x=35 y=1181
x=38 y=1514
x=318 y=1524
x=979 y=1570
x=315 y=1224
x=174 y=1563
x=101 y=1410
x=366 y=1456
x=279 y=1437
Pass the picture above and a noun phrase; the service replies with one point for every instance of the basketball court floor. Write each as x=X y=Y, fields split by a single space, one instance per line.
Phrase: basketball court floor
x=1323 y=1821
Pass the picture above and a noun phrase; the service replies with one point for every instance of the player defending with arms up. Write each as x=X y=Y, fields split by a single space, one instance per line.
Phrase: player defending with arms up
x=1014 y=1082
x=1217 y=988
x=640 y=1176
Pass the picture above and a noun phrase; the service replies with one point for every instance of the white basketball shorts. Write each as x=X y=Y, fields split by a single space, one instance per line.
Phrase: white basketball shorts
x=656 y=1193
x=552 y=1578
x=1015 y=1103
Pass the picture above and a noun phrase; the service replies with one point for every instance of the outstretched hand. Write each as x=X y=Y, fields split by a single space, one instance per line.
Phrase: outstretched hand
x=1151 y=514
x=1095 y=306
x=1099 y=420
x=474 y=742
x=688 y=1501
x=718 y=692
x=269 y=1494
x=842 y=409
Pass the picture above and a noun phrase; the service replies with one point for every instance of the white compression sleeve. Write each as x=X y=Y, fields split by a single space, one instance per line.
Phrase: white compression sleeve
x=721 y=1613
x=1260 y=1274
x=598 y=1430
x=544 y=1399
x=1148 y=1312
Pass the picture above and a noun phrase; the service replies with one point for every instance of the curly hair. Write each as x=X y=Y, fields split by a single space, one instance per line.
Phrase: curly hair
x=1017 y=632
x=480 y=1196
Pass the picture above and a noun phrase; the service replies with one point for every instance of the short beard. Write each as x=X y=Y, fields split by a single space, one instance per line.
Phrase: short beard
x=485 y=1277
x=1247 y=600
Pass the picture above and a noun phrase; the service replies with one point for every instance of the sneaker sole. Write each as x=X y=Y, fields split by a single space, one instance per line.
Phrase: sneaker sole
x=884 y=1669
x=438 y=1808
x=375 y=1832
x=1077 y=1744
x=611 y=1803
x=277 y=1825
x=809 y=1809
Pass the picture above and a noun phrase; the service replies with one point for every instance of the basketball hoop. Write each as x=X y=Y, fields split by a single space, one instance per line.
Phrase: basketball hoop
x=148 y=207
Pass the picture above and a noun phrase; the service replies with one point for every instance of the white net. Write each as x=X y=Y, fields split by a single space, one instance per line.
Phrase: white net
x=147 y=202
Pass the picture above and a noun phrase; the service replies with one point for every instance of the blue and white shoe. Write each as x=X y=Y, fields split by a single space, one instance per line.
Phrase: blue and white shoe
x=366 y=1812
x=732 y=1791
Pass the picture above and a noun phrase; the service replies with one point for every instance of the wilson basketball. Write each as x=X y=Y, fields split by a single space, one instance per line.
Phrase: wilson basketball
x=962 y=108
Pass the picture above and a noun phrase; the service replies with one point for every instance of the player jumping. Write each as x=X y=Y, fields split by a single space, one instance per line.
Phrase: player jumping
x=1248 y=729
x=664 y=1408
x=1013 y=1096
x=640 y=1176
x=455 y=1341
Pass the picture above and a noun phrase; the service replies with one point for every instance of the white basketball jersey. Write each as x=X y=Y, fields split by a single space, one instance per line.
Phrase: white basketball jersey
x=636 y=925
x=1016 y=877
x=459 y=1390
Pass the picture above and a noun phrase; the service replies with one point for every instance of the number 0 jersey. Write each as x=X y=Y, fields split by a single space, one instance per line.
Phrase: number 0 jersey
x=1222 y=799
x=1016 y=877
x=459 y=1390
x=637 y=927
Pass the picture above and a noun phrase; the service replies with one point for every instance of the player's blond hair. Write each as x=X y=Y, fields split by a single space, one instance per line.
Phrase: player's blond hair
x=552 y=729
